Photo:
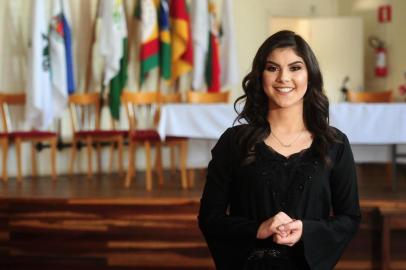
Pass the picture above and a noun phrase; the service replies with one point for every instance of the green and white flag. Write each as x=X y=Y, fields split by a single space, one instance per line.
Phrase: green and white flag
x=113 y=47
x=39 y=107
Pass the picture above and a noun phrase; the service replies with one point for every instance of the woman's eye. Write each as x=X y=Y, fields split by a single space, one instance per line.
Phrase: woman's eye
x=271 y=68
x=295 y=68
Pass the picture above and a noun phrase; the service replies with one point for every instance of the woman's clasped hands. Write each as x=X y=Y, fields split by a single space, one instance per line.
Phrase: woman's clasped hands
x=283 y=229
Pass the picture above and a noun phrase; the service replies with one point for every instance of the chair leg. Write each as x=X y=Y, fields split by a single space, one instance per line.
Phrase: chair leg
x=89 y=157
x=120 y=154
x=388 y=168
x=172 y=158
x=53 y=158
x=148 y=174
x=183 y=159
x=5 y=156
x=33 y=160
x=158 y=163
x=18 y=152
x=98 y=154
x=191 y=178
x=73 y=156
x=111 y=156
x=131 y=160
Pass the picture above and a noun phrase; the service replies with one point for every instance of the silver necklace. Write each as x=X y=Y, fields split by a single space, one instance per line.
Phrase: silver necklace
x=289 y=144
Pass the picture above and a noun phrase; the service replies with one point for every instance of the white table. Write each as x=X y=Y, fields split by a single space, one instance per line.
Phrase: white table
x=364 y=124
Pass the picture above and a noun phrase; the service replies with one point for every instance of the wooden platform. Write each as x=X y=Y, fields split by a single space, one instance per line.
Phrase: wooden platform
x=79 y=223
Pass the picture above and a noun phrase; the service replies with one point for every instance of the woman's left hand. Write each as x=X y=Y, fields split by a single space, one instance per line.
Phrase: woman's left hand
x=289 y=233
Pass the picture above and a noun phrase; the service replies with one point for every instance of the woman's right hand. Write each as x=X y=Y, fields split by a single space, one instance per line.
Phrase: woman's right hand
x=269 y=226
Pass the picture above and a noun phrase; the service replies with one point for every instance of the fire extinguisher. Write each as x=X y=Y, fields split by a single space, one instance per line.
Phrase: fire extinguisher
x=381 y=67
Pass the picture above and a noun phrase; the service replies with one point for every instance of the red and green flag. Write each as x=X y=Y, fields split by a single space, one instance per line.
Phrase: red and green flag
x=182 y=48
x=213 y=60
x=164 y=40
x=149 y=50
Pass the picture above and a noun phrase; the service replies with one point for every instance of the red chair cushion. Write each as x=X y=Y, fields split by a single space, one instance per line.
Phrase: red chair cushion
x=145 y=135
x=3 y=134
x=101 y=133
x=31 y=134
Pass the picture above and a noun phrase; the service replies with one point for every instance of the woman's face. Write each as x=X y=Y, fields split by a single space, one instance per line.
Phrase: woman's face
x=284 y=78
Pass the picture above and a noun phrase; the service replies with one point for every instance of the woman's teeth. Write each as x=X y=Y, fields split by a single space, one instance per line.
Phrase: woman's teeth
x=284 y=89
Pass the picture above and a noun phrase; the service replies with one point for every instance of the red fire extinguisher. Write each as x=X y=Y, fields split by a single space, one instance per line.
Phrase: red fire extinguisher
x=381 y=67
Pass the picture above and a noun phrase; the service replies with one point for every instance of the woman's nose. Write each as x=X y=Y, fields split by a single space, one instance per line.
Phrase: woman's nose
x=284 y=76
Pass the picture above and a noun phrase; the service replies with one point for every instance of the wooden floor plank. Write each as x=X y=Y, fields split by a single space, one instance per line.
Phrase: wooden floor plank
x=77 y=223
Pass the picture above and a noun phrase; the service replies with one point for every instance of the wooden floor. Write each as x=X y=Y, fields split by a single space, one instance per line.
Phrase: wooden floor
x=79 y=223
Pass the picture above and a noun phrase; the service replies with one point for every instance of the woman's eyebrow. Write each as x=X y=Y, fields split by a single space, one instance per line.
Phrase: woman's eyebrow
x=295 y=63
x=290 y=64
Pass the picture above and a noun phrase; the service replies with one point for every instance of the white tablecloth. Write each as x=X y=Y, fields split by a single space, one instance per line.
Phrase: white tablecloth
x=377 y=124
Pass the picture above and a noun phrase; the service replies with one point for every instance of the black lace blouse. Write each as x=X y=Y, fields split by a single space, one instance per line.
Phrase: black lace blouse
x=237 y=199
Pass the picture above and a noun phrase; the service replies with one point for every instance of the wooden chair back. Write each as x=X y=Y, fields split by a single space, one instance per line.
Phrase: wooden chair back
x=141 y=106
x=372 y=97
x=7 y=99
x=34 y=136
x=207 y=97
x=171 y=98
x=84 y=110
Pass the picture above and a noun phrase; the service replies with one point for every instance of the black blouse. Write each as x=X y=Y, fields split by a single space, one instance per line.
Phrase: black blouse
x=237 y=199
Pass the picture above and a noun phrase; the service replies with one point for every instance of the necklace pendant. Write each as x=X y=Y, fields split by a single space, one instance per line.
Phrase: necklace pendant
x=286 y=145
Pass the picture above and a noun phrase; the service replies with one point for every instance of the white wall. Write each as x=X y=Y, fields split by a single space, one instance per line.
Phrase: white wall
x=251 y=19
x=392 y=33
x=339 y=52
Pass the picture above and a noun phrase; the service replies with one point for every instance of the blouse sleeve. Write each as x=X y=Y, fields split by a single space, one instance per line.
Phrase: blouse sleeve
x=213 y=218
x=325 y=240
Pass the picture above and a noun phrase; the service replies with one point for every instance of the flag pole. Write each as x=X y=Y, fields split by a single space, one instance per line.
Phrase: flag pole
x=89 y=66
x=131 y=27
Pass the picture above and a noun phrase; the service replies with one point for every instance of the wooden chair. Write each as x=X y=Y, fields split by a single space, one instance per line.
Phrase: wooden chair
x=134 y=103
x=18 y=137
x=383 y=96
x=205 y=98
x=85 y=112
x=176 y=142
x=4 y=150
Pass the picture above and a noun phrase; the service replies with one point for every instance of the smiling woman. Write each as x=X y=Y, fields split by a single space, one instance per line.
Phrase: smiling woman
x=285 y=78
x=272 y=183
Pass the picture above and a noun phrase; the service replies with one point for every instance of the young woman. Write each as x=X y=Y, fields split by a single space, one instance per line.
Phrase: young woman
x=281 y=189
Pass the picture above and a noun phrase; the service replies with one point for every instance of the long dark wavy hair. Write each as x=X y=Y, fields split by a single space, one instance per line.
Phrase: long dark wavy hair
x=255 y=109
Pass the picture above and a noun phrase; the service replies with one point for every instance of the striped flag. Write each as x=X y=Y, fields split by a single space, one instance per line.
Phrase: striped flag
x=149 y=50
x=213 y=61
x=200 y=28
x=39 y=109
x=61 y=58
x=113 y=47
x=182 y=50
x=68 y=48
x=165 y=40
x=229 y=61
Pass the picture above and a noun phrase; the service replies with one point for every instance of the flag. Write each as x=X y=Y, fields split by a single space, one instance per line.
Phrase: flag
x=165 y=40
x=182 y=50
x=61 y=58
x=39 y=111
x=113 y=47
x=229 y=62
x=149 y=50
x=213 y=61
x=68 y=48
x=200 y=27
x=95 y=61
